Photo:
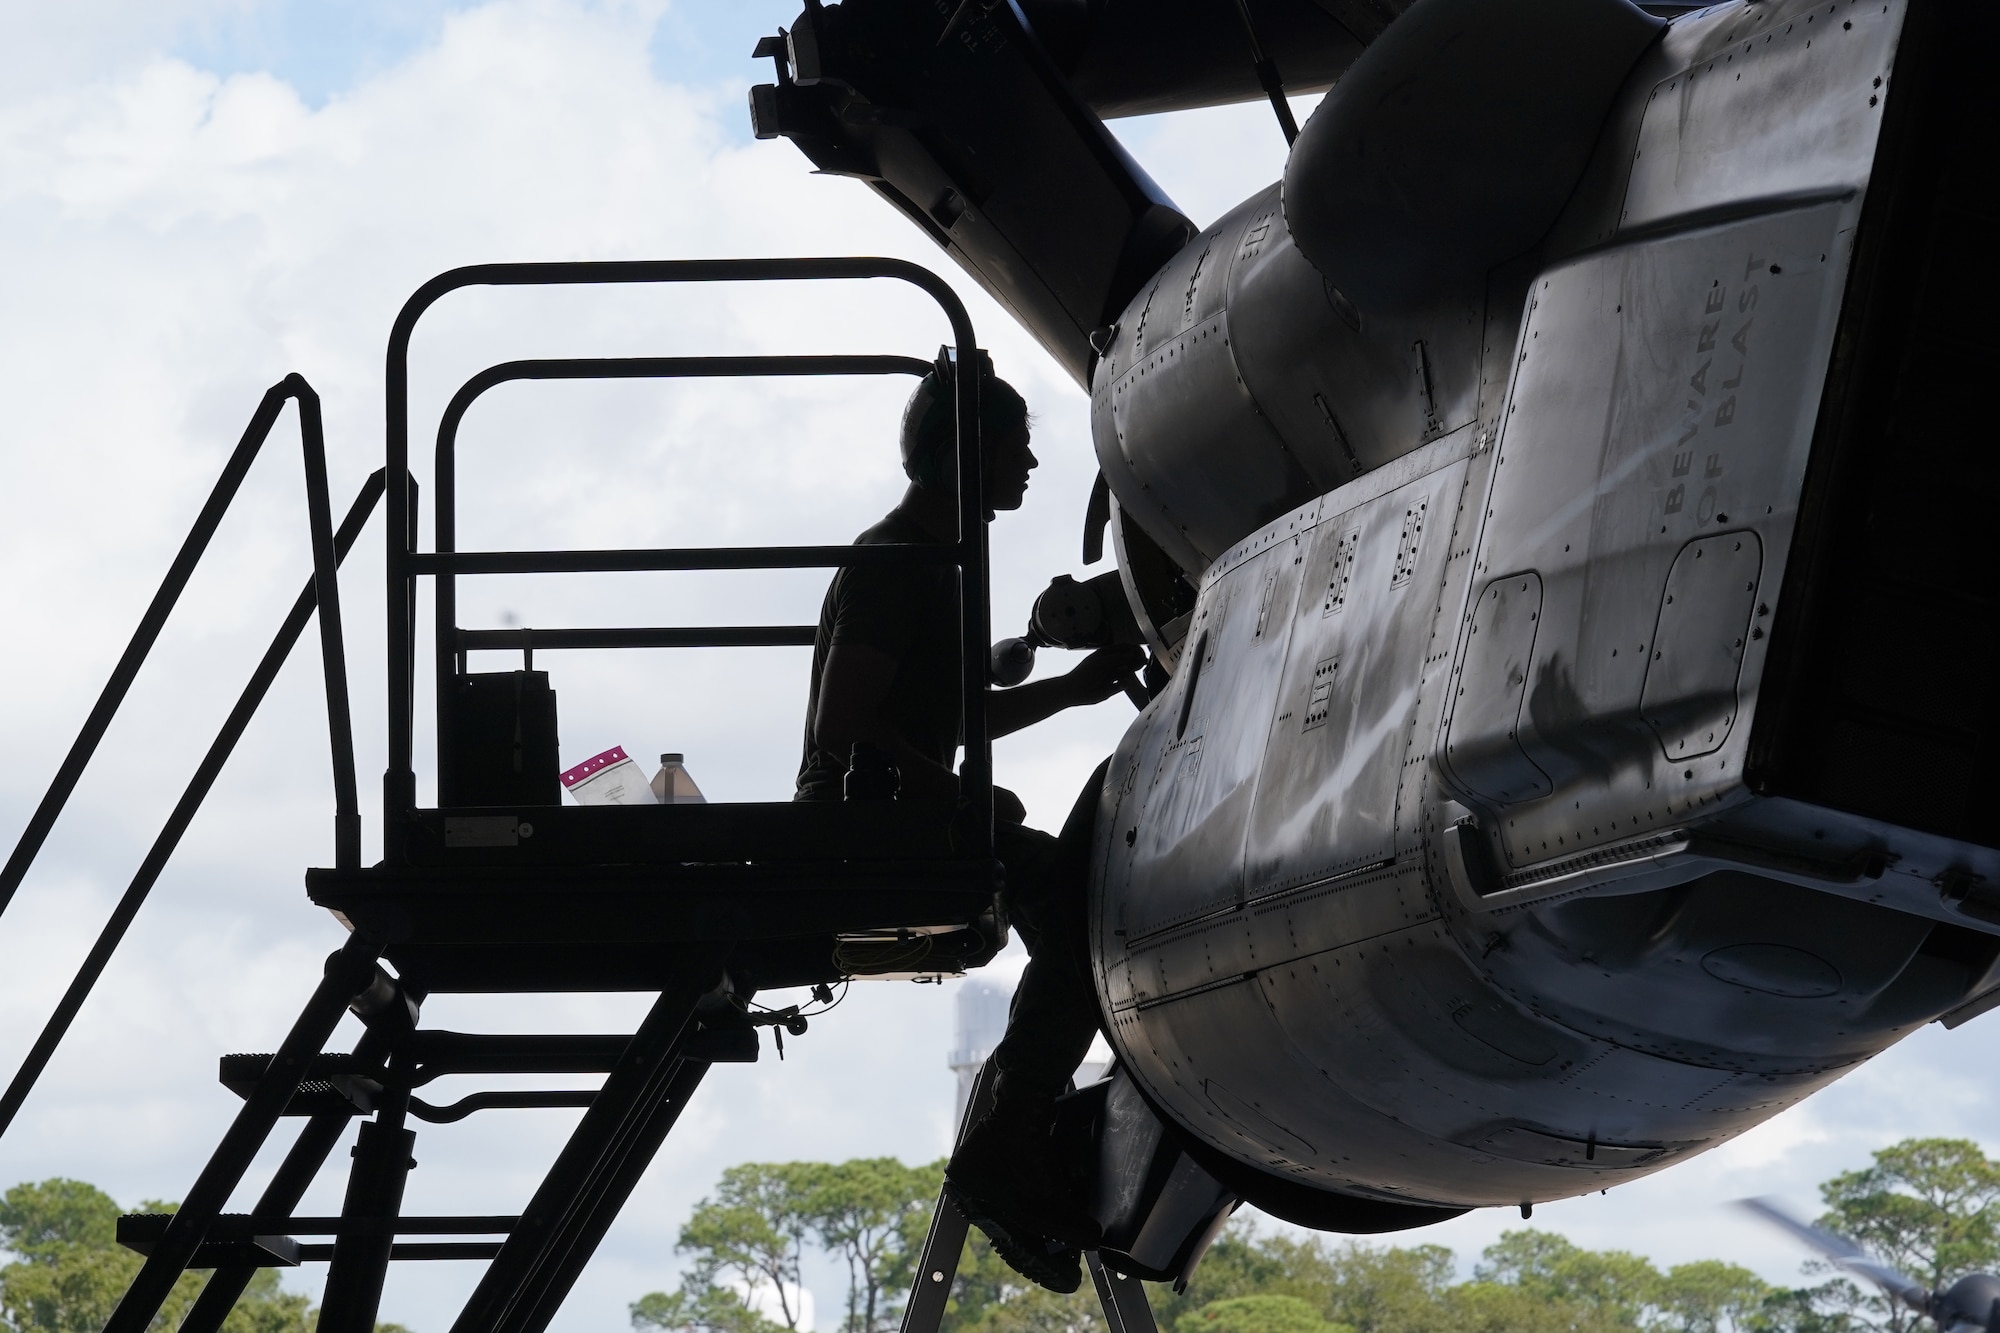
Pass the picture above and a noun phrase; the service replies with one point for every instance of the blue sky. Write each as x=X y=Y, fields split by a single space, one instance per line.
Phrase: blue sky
x=320 y=48
x=323 y=48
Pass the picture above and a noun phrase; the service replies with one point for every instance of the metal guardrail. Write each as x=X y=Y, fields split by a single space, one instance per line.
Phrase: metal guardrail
x=446 y=564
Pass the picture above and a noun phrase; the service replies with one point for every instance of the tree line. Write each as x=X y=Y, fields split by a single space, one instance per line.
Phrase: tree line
x=1927 y=1206
x=68 y=1270
x=1930 y=1207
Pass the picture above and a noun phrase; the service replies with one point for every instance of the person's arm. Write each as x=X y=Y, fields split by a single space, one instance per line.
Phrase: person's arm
x=852 y=687
x=856 y=680
x=1094 y=679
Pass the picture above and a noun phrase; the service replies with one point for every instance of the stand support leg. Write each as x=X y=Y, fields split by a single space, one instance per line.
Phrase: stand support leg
x=596 y=1169
x=1126 y=1309
x=360 y=1264
x=347 y=973
x=944 y=1245
x=937 y=1266
x=565 y=1261
x=225 y=1286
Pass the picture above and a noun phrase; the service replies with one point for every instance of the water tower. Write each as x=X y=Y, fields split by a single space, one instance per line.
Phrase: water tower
x=982 y=1018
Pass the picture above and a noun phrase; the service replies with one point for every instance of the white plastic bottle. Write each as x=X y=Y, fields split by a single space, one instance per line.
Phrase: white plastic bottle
x=673 y=786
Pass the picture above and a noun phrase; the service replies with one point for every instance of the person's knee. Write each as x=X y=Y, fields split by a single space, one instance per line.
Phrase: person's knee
x=1029 y=857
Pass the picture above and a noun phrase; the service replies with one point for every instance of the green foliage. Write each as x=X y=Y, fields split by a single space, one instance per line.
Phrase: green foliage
x=1823 y=1309
x=1258 y=1314
x=1034 y=1310
x=873 y=1213
x=708 y=1310
x=753 y=1231
x=1346 y=1284
x=750 y=1237
x=38 y=1221
x=1526 y=1282
x=266 y=1307
x=1391 y=1289
x=1608 y=1288
x=1710 y=1296
x=1503 y=1307
x=70 y=1271
x=1927 y=1206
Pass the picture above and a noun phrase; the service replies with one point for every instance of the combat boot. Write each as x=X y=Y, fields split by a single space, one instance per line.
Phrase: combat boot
x=1047 y=1263
x=1005 y=1170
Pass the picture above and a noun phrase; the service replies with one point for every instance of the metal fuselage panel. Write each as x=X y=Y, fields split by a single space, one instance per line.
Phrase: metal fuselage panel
x=1440 y=872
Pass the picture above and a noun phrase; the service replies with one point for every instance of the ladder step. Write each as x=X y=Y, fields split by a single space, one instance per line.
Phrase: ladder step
x=332 y=1083
x=357 y=1096
x=412 y=1250
x=436 y=1053
x=140 y=1231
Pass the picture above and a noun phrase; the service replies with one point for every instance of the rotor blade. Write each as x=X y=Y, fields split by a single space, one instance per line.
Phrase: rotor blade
x=1844 y=1254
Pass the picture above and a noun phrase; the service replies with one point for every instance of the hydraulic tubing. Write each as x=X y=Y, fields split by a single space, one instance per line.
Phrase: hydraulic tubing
x=184 y=811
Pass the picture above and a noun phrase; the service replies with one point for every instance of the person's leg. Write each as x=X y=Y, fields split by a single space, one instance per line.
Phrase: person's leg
x=1054 y=1014
x=1005 y=1168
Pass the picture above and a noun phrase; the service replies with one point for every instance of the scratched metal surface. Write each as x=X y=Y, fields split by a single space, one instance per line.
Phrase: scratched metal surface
x=1239 y=385
x=1661 y=417
x=1533 y=624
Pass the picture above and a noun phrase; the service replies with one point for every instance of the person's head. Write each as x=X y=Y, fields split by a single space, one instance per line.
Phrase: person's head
x=930 y=440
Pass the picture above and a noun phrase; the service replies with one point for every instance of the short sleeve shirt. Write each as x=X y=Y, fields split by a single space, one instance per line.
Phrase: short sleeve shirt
x=908 y=611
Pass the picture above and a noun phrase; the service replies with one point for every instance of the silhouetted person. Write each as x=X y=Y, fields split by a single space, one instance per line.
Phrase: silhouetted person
x=886 y=671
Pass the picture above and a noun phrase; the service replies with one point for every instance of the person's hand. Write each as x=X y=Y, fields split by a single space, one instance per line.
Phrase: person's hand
x=1102 y=674
x=1007 y=807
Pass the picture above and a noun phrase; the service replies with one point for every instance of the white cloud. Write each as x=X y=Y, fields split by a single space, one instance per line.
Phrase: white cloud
x=178 y=241
x=181 y=241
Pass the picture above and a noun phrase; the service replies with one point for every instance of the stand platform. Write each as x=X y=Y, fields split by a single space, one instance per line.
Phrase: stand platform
x=581 y=898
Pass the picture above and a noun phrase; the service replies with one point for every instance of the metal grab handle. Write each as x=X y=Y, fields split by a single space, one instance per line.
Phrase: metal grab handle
x=347 y=825
x=183 y=814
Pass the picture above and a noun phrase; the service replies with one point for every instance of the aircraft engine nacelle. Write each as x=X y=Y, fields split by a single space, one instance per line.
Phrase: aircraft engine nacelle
x=1240 y=383
x=1348 y=315
x=1566 y=508
x=1603 y=768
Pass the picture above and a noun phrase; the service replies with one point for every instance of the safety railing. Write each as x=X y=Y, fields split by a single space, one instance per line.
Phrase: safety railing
x=321 y=593
x=446 y=563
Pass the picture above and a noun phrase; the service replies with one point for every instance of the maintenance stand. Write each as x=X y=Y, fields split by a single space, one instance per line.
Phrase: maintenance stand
x=504 y=889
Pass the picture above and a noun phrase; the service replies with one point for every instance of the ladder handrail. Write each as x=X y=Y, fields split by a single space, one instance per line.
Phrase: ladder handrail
x=347 y=818
x=182 y=816
x=405 y=564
